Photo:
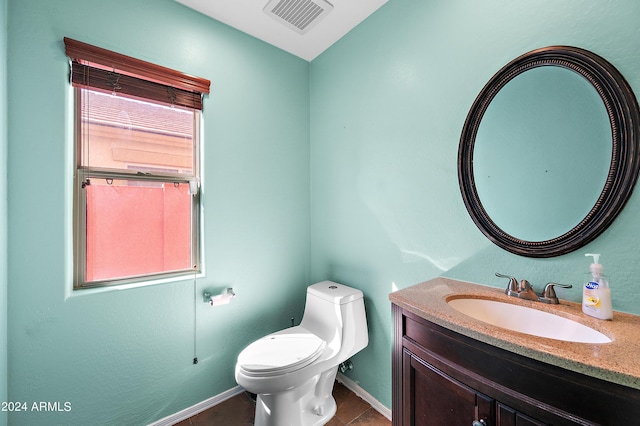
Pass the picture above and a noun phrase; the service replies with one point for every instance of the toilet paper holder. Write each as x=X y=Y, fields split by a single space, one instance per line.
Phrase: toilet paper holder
x=219 y=299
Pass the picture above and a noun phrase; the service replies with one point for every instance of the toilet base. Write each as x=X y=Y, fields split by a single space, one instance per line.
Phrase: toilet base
x=308 y=405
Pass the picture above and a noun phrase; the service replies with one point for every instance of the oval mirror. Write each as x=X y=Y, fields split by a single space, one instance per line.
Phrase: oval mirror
x=547 y=156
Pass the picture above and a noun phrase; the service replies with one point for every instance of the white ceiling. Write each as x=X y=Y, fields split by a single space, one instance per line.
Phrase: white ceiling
x=248 y=16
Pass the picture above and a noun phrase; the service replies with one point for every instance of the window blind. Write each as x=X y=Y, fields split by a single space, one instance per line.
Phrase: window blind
x=109 y=71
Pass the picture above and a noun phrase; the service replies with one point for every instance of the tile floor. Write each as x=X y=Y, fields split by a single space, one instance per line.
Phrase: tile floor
x=239 y=411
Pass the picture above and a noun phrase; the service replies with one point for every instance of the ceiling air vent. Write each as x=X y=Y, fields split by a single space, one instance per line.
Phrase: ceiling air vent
x=299 y=15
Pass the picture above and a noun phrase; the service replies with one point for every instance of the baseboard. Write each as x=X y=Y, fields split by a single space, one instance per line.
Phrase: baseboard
x=198 y=408
x=355 y=388
x=215 y=400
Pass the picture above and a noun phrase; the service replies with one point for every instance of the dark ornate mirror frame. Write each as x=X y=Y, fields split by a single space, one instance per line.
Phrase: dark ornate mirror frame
x=624 y=117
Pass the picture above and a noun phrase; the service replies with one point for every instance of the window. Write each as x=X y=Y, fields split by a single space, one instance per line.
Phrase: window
x=136 y=182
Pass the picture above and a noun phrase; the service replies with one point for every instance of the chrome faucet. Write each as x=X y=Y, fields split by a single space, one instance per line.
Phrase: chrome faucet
x=524 y=290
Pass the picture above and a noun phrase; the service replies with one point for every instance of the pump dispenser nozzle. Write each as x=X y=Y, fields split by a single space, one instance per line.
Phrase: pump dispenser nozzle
x=596 y=257
x=595 y=267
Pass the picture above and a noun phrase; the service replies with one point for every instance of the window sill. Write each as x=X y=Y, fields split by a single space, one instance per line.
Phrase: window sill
x=85 y=291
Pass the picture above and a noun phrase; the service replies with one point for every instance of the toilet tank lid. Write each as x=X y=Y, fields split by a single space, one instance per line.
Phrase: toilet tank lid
x=333 y=292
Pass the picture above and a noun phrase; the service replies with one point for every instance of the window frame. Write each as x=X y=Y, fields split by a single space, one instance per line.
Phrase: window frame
x=84 y=172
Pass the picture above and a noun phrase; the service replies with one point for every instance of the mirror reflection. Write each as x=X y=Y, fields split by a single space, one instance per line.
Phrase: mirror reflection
x=542 y=153
x=549 y=152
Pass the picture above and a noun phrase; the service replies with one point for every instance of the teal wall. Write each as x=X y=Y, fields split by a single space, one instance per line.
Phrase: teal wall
x=388 y=103
x=3 y=207
x=342 y=169
x=125 y=356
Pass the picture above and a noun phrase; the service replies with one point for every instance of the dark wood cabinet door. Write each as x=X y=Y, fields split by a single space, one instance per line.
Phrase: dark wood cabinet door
x=435 y=399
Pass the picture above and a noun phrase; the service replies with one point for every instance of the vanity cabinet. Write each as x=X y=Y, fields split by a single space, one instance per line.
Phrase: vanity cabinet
x=441 y=377
x=438 y=399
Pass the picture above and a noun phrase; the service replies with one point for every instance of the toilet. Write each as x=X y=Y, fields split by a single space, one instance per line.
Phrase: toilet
x=292 y=371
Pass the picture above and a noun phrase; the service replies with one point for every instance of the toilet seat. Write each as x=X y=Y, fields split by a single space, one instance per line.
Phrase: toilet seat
x=280 y=353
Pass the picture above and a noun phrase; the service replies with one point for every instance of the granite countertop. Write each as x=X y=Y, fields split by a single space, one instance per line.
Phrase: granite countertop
x=617 y=362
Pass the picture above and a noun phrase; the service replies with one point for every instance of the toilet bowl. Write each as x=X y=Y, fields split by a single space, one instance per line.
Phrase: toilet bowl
x=292 y=371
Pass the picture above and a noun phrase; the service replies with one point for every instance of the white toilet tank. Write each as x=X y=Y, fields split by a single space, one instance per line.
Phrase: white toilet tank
x=335 y=313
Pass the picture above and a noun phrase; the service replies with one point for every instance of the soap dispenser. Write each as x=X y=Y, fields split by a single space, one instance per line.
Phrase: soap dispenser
x=596 y=294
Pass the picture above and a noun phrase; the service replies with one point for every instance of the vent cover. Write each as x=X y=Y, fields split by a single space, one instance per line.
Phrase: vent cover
x=299 y=15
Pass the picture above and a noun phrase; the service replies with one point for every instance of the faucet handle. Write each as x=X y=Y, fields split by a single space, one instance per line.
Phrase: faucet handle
x=513 y=283
x=549 y=293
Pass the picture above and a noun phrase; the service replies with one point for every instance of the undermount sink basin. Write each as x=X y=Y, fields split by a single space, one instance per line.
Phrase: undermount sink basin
x=527 y=320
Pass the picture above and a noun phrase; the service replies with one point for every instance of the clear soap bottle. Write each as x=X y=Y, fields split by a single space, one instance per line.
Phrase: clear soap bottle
x=596 y=294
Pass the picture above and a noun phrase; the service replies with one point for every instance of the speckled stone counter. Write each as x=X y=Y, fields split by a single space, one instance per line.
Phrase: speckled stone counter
x=617 y=362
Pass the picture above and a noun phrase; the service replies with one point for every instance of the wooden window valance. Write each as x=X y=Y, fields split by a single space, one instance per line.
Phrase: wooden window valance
x=103 y=69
